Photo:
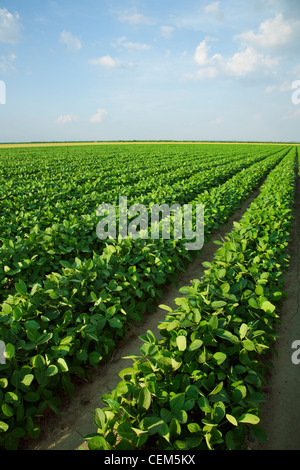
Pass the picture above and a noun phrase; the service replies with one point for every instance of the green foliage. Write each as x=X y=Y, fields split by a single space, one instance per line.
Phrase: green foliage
x=203 y=380
x=67 y=297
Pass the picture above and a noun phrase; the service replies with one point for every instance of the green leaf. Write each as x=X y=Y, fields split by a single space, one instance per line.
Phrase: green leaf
x=248 y=418
x=153 y=425
x=3 y=426
x=9 y=352
x=38 y=362
x=31 y=397
x=196 y=344
x=217 y=389
x=165 y=307
x=99 y=443
x=181 y=343
x=194 y=428
x=174 y=429
x=7 y=410
x=218 y=412
x=218 y=304
x=268 y=307
x=67 y=340
x=252 y=303
x=259 y=433
x=224 y=334
x=18 y=433
x=177 y=402
x=243 y=330
x=220 y=357
x=204 y=405
x=51 y=370
x=126 y=432
x=248 y=345
x=21 y=287
x=63 y=366
x=144 y=400
x=231 y=419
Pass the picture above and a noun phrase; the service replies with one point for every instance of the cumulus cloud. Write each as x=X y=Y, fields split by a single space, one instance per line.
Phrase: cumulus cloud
x=166 y=31
x=283 y=87
x=106 y=61
x=66 y=118
x=214 y=10
x=272 y=33
x=240 y=64
x=132 y=16
x=10 y=27
x=137 y=46
x=72 y=42
x=260 y=51
x=121 y=42
x=201 y=54
x=99 y=116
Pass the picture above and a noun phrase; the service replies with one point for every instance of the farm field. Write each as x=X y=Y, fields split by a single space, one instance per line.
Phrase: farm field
x=67 y=298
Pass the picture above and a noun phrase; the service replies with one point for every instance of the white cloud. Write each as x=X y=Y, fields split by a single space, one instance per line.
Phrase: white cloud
x=285 y=86
x=121 y=42
x=65 y=118
x=10 y=28
x=273 y=32
x=133 y=17
x=6 y=62
x=106 y=61
x=72 y=42
x=201 y=54
x=166 y=31
x=214 y=10
x=98 y=117
x=137 y=46
x=241 y=64
x=249 y=61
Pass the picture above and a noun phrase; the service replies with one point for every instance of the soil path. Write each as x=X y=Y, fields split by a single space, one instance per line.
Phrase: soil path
x=281 y=411
x=76 y=420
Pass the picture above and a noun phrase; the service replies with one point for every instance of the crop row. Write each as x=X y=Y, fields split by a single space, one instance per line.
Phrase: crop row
x=72 y=320
x=42 y=242
x=200 y=386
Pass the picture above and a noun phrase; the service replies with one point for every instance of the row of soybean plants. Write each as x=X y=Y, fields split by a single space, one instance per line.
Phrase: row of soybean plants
x=46 y=221
x=72 y=320
x=200 y=386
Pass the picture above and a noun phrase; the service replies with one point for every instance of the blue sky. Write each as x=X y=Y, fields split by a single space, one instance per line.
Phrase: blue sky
x=138 y=70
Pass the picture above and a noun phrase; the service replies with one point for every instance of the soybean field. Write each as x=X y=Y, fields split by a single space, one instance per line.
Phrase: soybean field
x=67 y=297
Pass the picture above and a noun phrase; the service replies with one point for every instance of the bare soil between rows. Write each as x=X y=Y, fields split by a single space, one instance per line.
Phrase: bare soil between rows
x=280 y=413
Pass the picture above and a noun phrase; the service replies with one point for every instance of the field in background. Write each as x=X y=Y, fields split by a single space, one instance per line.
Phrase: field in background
x=64 y=144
